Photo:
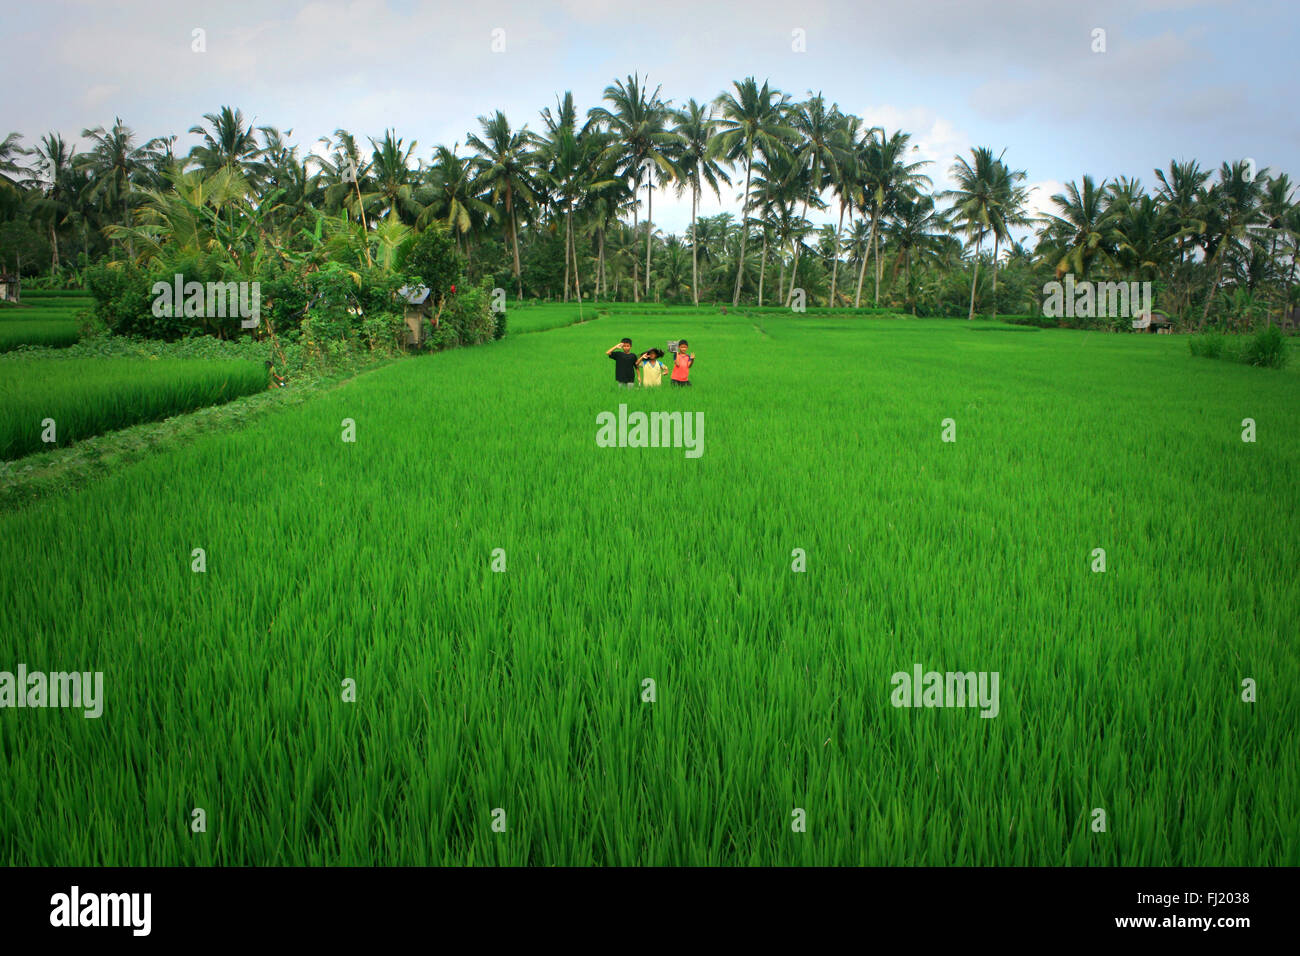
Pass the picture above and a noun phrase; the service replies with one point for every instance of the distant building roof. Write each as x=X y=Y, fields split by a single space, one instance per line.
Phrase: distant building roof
x=414 y=295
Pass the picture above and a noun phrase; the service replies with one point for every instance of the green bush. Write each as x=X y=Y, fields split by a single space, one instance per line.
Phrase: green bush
x=467 y=318
x=384 y=332
x=123 y=301
x=1266 y=349
x=1208 y=345
x=431 y=257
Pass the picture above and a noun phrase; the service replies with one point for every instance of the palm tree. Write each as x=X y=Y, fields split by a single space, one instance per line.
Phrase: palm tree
x=975 y=203
x=822 y=146
x=454 y=196
x=1277 y=208
x=1009 y=212
x=752 y=119
x=1234 y=205
x=10 y=170
x=1179 y=193
x=53 y=165
x=885 y=173
x=847 y=183
x=504 y=169
x=345 y=172
x=916 y=226
x=115 y=164
x=1084 y=226
x=230 y=143
x=780 y=181
x=698 y=164
x=637 y=121
x=391 y=174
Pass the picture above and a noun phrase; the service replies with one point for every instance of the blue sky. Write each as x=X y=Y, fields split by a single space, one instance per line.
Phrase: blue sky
x=1178 y=79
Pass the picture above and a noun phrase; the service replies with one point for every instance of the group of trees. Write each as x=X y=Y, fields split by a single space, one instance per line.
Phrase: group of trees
x=566 y=210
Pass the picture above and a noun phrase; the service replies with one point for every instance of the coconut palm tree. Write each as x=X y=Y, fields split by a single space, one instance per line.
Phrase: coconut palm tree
x=53 y=164
x=115 y=164
x=1009 y=212
x=752 y=119
x=230 y=142
x=1235 y=211
x=637 y=120
x=392 y=178
x=698 y=164
x=975 y=202
x=11 y=172
x=504 y=169
x=1083 y=227
x=454 y=198
x=885 y=172
x=822 y=147
x=916 y=226
x=345 y=173
x=847 y=183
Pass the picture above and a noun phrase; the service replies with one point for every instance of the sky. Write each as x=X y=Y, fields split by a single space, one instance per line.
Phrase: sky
x=1177 y=79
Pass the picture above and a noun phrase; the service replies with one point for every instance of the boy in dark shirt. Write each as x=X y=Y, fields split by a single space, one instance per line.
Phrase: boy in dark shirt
x=624 y=363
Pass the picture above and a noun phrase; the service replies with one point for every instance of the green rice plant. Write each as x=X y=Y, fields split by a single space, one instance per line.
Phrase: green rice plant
x=85 y=397
x=1208 y=344
x=43 y=332
x=1266 y=348
x=459 y=613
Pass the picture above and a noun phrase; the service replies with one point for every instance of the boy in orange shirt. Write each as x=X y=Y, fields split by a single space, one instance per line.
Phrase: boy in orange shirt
x=682 y=365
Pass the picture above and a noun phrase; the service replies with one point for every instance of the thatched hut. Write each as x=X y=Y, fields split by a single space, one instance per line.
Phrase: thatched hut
x=11 y=287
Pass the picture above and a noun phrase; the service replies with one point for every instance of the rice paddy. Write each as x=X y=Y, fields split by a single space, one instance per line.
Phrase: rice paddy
x=53 y=402
x=44 y=319
x=566 y=654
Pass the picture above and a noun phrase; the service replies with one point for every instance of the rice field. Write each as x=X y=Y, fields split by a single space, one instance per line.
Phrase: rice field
x=89 y=396
x=432 y=645
x=45 y=318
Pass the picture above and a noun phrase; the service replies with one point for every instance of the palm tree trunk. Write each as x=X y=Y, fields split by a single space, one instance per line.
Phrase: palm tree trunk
x=744 y=232
x=862 y=273
x=762 y=268
x=835 y=268
x=514 y=236
x=577 y=279
x=695 y=260
x=907 y=279
x=636 y=278
x=979 y=241
x=568 y=225
x=365 y=226
x=996 y=242
x=649 y=228
x=54 y=245
x=794 y=267
x=875 y=240
x=1218 y=277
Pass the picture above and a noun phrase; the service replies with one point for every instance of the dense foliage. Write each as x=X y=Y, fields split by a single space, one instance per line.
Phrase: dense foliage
x=566 y=212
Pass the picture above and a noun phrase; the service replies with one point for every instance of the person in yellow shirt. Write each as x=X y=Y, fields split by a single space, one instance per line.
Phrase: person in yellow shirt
x=652 y=369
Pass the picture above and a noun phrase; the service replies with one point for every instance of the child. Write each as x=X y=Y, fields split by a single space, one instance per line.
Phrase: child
x=624 y=363
x=682 y=365
x=652 y=369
